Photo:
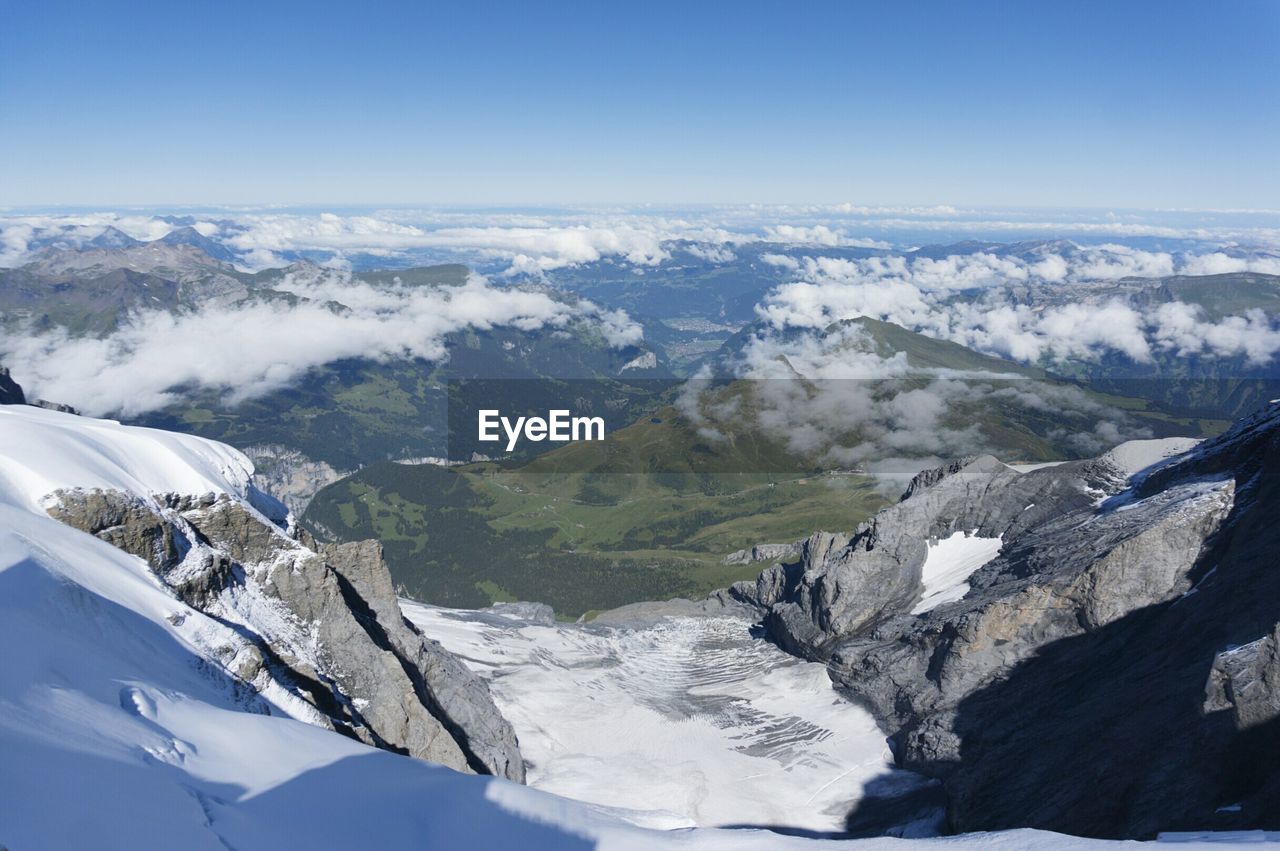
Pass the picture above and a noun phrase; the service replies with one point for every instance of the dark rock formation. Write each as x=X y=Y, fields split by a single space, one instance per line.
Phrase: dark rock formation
x=10 y=392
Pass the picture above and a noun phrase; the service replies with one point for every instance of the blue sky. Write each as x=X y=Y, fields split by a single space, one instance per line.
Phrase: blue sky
x=1138 y=104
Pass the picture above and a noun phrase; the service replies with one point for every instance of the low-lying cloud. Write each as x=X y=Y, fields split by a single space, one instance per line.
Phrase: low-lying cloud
x=975 y=300
x=254 y=347
x=538 y=242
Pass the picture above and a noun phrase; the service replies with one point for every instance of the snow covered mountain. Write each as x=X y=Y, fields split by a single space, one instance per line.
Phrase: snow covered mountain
x=138 y=709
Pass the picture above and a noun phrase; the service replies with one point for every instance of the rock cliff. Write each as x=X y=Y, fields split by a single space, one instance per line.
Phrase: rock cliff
x=1111 y=672
x=321 y=622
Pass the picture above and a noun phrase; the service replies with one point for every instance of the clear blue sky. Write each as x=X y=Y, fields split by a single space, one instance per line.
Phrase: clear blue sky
x=1021 y=102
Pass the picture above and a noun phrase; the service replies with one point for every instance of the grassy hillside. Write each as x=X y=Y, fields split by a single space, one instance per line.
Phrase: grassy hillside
x=581 y=542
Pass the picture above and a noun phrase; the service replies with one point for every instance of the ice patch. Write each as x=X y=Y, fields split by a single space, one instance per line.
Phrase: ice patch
x=949 y=565
x=1027 y=468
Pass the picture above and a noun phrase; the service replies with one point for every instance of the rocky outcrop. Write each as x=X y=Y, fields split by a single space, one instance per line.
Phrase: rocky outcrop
x=1074 y=575
x=10 y=392
x=290 y=475
x=764 y=552
x=1112 y=672
x=1245 y=681
x=322 y=622
x=457 y=697
x=843 y=584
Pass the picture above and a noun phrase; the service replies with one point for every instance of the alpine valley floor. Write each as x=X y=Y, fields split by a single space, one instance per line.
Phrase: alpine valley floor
x=692 y=720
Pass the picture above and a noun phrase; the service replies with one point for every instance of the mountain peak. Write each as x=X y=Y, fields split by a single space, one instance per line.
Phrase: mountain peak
x=188 y=235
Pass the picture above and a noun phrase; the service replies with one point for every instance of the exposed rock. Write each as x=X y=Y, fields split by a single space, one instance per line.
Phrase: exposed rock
x=322 y=622
x=533 y=612
x=764 y=552
x=1075 y=575
x=647 y=612
x=1246 y=681
x=10 y=392
x=461 y=699
x=289 y=475
x=126 y=523
x=844 y=584
x=55 y=406
x=1081 y=684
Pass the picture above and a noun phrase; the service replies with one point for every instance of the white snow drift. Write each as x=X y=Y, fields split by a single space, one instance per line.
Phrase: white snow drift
x=950 y=563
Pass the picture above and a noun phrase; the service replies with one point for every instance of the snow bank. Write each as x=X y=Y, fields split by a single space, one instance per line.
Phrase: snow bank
x=949 y=565
x=1135 y=456
x=42 y=451
x=1027 y=468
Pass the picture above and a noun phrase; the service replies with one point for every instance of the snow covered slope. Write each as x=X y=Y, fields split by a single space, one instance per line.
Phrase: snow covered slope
x=42 y=451
x=119 y=729
x=1134 y=456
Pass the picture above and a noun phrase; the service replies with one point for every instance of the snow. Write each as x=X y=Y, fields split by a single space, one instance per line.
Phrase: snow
x=46 y=450
x=1135 y=456
x=1130 y=457
x=693 y=721
x=1027 y=468
x=119 y=728
x=948 y=566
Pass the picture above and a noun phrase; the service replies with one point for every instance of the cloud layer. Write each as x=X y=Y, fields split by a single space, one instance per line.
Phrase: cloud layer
x=832 y=399
x=1086 y=315
x=537 y=242
x=254 y=347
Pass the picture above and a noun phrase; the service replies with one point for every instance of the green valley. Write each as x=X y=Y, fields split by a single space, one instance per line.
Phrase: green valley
x=470 y=536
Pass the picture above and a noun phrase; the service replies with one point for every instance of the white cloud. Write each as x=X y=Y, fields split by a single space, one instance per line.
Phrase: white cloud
x=529 y=249
x=1219 y=263
x=1085 y=323
x=819 y=235
x=782 y=261
x=1255 y=335
x=718 y=254
x=251 y=348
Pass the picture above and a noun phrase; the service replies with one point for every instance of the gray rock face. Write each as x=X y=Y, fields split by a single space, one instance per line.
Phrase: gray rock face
x=290 y=475
x=764 y=552
x=533 y=612
x=321 y=621
x=1084 y=683
x=1246 y=681
x=647 y=612
x=457 y=697
x=842 y=584
x=125 y=523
